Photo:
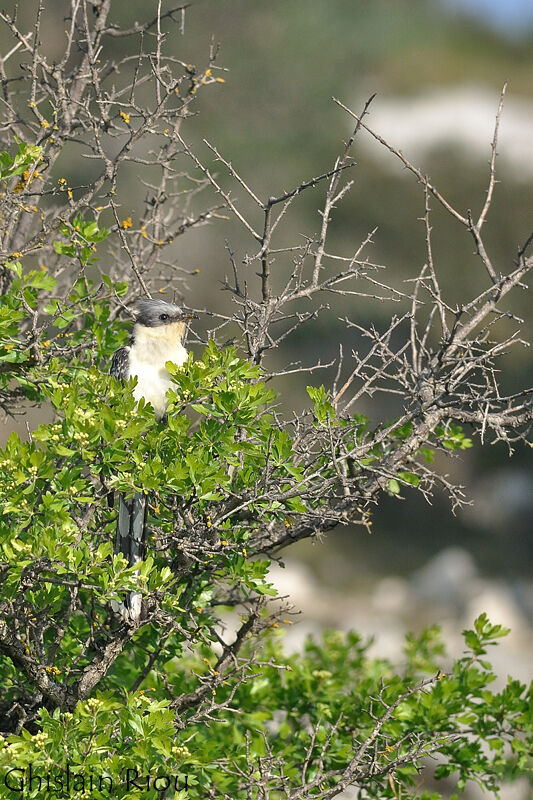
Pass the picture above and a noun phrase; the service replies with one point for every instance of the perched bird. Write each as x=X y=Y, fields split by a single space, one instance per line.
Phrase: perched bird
x=158 y=336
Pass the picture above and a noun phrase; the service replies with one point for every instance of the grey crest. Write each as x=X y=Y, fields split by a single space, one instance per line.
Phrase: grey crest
x=153 y=313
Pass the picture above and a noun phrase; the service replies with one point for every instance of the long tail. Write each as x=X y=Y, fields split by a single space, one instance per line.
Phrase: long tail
x=130 y=540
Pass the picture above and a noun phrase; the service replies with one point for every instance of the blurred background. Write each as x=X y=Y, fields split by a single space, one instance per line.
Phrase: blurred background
x=438 y=67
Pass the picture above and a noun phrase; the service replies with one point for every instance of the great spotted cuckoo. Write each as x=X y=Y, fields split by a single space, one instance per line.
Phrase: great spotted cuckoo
x=158 y=336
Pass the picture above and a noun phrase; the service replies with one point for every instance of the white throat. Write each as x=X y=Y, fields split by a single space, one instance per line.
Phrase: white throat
x=151 y=349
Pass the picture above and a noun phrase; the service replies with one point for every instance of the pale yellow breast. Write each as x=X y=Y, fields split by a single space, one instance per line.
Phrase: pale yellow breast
x=153 y=347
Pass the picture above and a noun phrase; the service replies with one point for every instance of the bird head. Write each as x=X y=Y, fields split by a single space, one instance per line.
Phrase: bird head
x=161 y=318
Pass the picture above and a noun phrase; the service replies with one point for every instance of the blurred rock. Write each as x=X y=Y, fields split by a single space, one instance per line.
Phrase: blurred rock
x=498 y=602
x=296 y=582
x=392 y=594
x=462 y=117
x=447 y=580
x=519 y=790
x=448 y=591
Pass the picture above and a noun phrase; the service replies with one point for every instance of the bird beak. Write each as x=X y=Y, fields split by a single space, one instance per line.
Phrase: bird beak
x=188 y=315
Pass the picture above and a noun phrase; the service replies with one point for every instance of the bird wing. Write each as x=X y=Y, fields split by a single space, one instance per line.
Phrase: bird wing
x=120 y=364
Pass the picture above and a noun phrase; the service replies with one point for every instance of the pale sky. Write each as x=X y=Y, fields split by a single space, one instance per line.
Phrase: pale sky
x=512 y=16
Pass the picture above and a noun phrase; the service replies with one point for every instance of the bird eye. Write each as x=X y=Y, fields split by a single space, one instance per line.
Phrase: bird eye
x=163 y=317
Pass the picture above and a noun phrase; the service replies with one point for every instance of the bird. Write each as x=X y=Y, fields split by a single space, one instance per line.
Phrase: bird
x=158 y=336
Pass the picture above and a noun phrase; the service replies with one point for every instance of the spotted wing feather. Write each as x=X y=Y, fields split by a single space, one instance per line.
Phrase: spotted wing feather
x=120 y=364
